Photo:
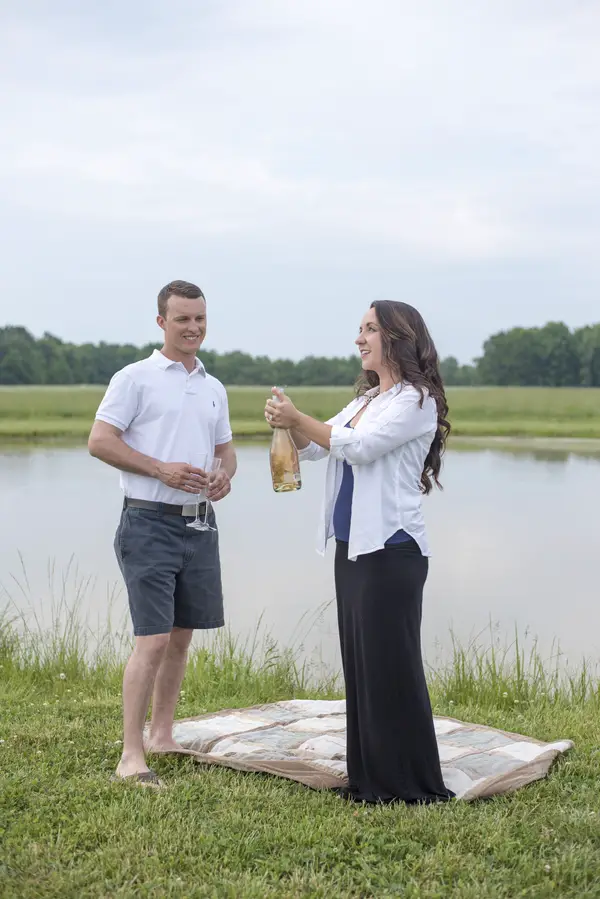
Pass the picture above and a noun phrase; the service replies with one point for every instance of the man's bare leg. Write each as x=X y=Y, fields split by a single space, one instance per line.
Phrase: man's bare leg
x=166 y=692
x=138 y=682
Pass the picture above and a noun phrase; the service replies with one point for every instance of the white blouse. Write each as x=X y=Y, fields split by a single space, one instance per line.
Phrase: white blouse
x=387 y=451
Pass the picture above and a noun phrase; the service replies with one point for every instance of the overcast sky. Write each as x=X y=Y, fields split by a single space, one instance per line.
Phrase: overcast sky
x=298 y=159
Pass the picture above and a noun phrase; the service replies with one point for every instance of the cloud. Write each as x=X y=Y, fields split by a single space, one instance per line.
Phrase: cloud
x=433 y=133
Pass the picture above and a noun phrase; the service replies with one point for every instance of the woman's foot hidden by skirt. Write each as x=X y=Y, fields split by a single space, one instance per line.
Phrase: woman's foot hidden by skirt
x=392 y=753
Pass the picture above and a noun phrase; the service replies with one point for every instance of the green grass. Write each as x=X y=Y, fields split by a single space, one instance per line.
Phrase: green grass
x=40 y=413
x=66 y=831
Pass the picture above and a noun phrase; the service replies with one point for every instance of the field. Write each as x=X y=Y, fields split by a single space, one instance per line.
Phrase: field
x=39 y=413
x=67 y=832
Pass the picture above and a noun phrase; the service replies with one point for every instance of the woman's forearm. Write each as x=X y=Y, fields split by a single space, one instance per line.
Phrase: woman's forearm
x=300 y=441
x=311 y=430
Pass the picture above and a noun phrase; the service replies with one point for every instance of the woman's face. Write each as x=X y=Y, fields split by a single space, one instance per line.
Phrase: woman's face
x=369 y=343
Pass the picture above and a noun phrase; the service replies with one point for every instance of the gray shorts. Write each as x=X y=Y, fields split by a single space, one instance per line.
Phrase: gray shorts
x=172 y=572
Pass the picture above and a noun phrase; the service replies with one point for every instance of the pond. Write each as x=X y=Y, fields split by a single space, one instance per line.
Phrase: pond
x=514 y=537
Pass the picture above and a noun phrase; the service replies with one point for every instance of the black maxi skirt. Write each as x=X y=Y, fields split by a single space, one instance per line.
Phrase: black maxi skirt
x=392 y=752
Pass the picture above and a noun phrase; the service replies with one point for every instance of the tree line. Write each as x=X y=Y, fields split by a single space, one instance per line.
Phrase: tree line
x=552 y=356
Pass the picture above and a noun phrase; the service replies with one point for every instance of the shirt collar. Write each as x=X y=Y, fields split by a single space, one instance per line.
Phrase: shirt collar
x=161 y=361
x=374 y=391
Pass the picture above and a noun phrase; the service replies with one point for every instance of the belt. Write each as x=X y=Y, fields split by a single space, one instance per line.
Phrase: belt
x=189 y=509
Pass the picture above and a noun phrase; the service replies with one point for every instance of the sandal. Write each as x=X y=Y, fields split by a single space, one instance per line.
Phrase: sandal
x=142 y=778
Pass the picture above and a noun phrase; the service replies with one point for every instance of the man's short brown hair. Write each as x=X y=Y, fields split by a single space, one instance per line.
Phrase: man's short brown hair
x=177 y=289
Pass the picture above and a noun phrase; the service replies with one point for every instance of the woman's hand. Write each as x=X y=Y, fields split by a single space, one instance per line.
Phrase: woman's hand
x=281 y=413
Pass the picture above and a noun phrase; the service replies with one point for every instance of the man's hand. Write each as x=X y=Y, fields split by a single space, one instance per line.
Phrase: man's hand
x=182 y=476
x=219 y=486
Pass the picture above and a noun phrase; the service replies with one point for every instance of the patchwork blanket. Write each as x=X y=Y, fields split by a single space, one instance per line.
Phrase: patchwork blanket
x=305 y=740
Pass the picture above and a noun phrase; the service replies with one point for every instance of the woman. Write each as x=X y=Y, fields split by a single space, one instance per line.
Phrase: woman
x=385 y=450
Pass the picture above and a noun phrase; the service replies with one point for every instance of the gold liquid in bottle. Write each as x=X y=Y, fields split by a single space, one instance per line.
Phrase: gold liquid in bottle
x=285 y=464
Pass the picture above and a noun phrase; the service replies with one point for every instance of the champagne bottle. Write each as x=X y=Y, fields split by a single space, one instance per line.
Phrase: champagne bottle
x=285 y=465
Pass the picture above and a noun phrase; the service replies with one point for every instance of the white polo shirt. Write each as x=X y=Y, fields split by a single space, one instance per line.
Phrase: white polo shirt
x=167 y=413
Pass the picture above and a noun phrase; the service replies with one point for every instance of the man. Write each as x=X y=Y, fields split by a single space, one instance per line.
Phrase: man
x=157 y=418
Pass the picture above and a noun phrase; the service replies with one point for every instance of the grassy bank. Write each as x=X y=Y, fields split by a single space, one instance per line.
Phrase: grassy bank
x=38 y=413
x=66 y=831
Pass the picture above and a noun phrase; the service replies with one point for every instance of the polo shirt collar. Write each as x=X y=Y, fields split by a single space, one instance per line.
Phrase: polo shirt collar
x=162 y=362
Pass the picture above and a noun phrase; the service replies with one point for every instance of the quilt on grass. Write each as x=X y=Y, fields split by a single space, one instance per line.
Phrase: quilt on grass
x=305 y=740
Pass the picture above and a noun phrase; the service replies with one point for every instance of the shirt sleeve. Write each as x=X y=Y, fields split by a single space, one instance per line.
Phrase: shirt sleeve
x=313 y=452
x=401 y=421
x=223 y=433
x=119 y=405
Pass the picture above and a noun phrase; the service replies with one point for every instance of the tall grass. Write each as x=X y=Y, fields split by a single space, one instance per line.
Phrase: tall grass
x=488 y=671
x=483 y=672
x=69 y=650
x=30 y=413
x=69 y=642
x=68 y=832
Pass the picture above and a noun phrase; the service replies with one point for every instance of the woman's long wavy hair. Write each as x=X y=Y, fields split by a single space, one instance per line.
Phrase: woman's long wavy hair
x=410 y=354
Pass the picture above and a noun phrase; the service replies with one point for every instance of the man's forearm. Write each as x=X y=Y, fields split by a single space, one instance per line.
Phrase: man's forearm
x=226 y=453
x=312 y=430
x=114 y=451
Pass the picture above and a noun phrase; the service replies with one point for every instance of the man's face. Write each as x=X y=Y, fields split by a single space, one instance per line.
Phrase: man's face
x=184 y=325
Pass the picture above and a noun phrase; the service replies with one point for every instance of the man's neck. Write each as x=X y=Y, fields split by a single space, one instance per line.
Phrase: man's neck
x=188 y=361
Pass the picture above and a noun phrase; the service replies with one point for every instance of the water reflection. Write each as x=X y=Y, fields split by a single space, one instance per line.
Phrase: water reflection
x=514 y=536
x=541 y=450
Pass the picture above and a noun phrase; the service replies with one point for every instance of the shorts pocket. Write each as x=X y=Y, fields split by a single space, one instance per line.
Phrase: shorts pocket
x=120 y=535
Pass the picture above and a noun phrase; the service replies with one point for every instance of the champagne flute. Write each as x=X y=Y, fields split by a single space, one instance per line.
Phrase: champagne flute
x=212 y=469
x=200 y=461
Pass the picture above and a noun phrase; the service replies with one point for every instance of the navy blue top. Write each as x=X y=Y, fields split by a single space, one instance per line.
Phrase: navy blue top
x=343 y=509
